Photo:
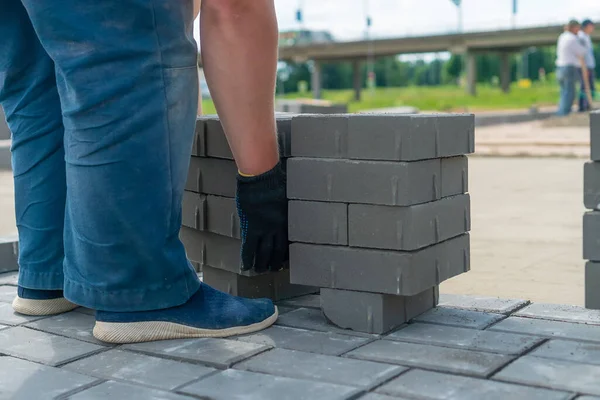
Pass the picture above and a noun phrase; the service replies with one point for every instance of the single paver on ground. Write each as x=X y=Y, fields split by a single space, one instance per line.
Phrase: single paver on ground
x=306 y=318
x=9 y=317
x=242 y=385
x=434 y=385
x=332 y=344
x=555 y=374
x=218 y=353
x=146 y=370
x=558 y=312
x=460 y=318
x=75 y=325
x=465 y=338
x=117 y=390
x=482 y=303
x=550 y=329
x=432 y=357
x=567 y=350
x=26 y=380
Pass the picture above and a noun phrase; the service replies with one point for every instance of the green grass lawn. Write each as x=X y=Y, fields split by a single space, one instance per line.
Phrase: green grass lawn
x=438 y=98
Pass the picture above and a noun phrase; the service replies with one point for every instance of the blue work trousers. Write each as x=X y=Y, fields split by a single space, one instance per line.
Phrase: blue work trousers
x=101 y=100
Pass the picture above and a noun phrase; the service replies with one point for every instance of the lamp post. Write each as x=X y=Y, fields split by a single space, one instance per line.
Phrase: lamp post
x=458 y=4
x=370 y=62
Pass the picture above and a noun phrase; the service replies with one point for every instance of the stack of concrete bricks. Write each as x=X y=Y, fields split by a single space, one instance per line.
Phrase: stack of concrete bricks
x=9 y=253
x=591 y=219
x=378 y=212
x=211 y=226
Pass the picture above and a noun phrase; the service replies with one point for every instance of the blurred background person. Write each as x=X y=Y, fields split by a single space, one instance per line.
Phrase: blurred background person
x=570 y=54
x=587 y=27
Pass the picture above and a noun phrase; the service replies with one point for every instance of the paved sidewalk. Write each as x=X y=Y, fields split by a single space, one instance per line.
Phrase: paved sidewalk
x=469 y=348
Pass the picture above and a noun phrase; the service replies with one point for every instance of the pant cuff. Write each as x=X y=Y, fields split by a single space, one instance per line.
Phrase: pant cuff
x=41 y=280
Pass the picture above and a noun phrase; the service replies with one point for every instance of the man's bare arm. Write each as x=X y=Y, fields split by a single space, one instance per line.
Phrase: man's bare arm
x=197 y=4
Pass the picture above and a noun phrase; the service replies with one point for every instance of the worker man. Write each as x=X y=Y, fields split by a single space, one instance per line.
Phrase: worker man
x=101 y=98
x=570 y=56
x=587 y=28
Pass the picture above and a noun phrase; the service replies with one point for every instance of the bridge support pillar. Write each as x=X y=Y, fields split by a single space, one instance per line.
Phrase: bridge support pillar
x=471 y=65
x=505 y=71
x=357 y=79
x=316 y=79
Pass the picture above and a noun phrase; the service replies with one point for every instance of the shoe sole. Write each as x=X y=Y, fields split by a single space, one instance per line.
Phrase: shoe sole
x=149 y=331
x=42 y=307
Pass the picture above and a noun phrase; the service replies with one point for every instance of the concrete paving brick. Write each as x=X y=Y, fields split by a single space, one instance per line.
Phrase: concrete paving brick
x=212 y=176
x=318 y=367
x=218 y=353
x=4 y=327
x=307 y=301
x=373 y=312
x=378 y=271
x=8 y=293
x=382 y=137
x=592 y=283
x=370 y=182
x=241 y=385
x=222 y=216
x=595 y=136
x=9 y=278
x=314 y=320
x=26 y=380
x=566 y=350
x=408 y=228
x=118 y=390
x=283 y=309
x=460 y=361
x=318 y=222
x=591 y=185
x=375 y=396
x=332 y=344
x=138 y=368
x=283 y=289
x=482 y=303
x=9 y=253
x=557 y=312
x=43 y=347
x=75 y=325
x=587 y=398
x=193 y=210
x=465 y=338
x=199 y=144
x=591 y=236
x=550 y=329
x=460 y=318
x=9 y=317
x=554 y=374
x=454 y=176
x=434 y=385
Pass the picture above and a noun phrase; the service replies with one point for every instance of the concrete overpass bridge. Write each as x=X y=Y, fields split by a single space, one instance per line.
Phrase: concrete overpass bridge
x=503 y=42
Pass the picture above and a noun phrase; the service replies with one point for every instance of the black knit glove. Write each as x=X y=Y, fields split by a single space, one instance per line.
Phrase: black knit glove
x=262 y=207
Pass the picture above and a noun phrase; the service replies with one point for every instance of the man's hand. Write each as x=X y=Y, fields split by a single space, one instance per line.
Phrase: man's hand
x=262 y=207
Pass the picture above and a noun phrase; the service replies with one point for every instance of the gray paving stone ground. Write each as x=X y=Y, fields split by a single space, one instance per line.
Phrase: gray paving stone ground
x=9 y=278
x=470 y=349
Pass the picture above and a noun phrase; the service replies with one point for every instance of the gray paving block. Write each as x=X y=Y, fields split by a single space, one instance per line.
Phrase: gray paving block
x=373 y=312
x=383 y=136
x=43 y=347
x=26 y=380
x=558 y=312
x=407 y=228
x=587 y=398
x=199 y=144
x=222 y=216
x=591 y=236
x=314 y=320
x=591 y=185
x=592 y=285
x=193 y=210
x=9 y=317
x=378 y=271
x=434 y=385
x=9 y=253
x=454 y=176
x=76 y=325
x=9 y=278
x=370 y=182
x=459 y=361
x=4 y=327
x=212 y=176
x=138 y=368
x=375 y=396
x=332 y=344
x=460 y=318
x=284 y=290
x=482 y=303
x=318 y=222
x=554 y=374
x=566 y=350
x=118 y=390
x=550 y=329
x=8 y=293
x=306 y=301
x=595 y=136
x=318 y=367
x=241 y=385
x=218 y=353
x=465 y=338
